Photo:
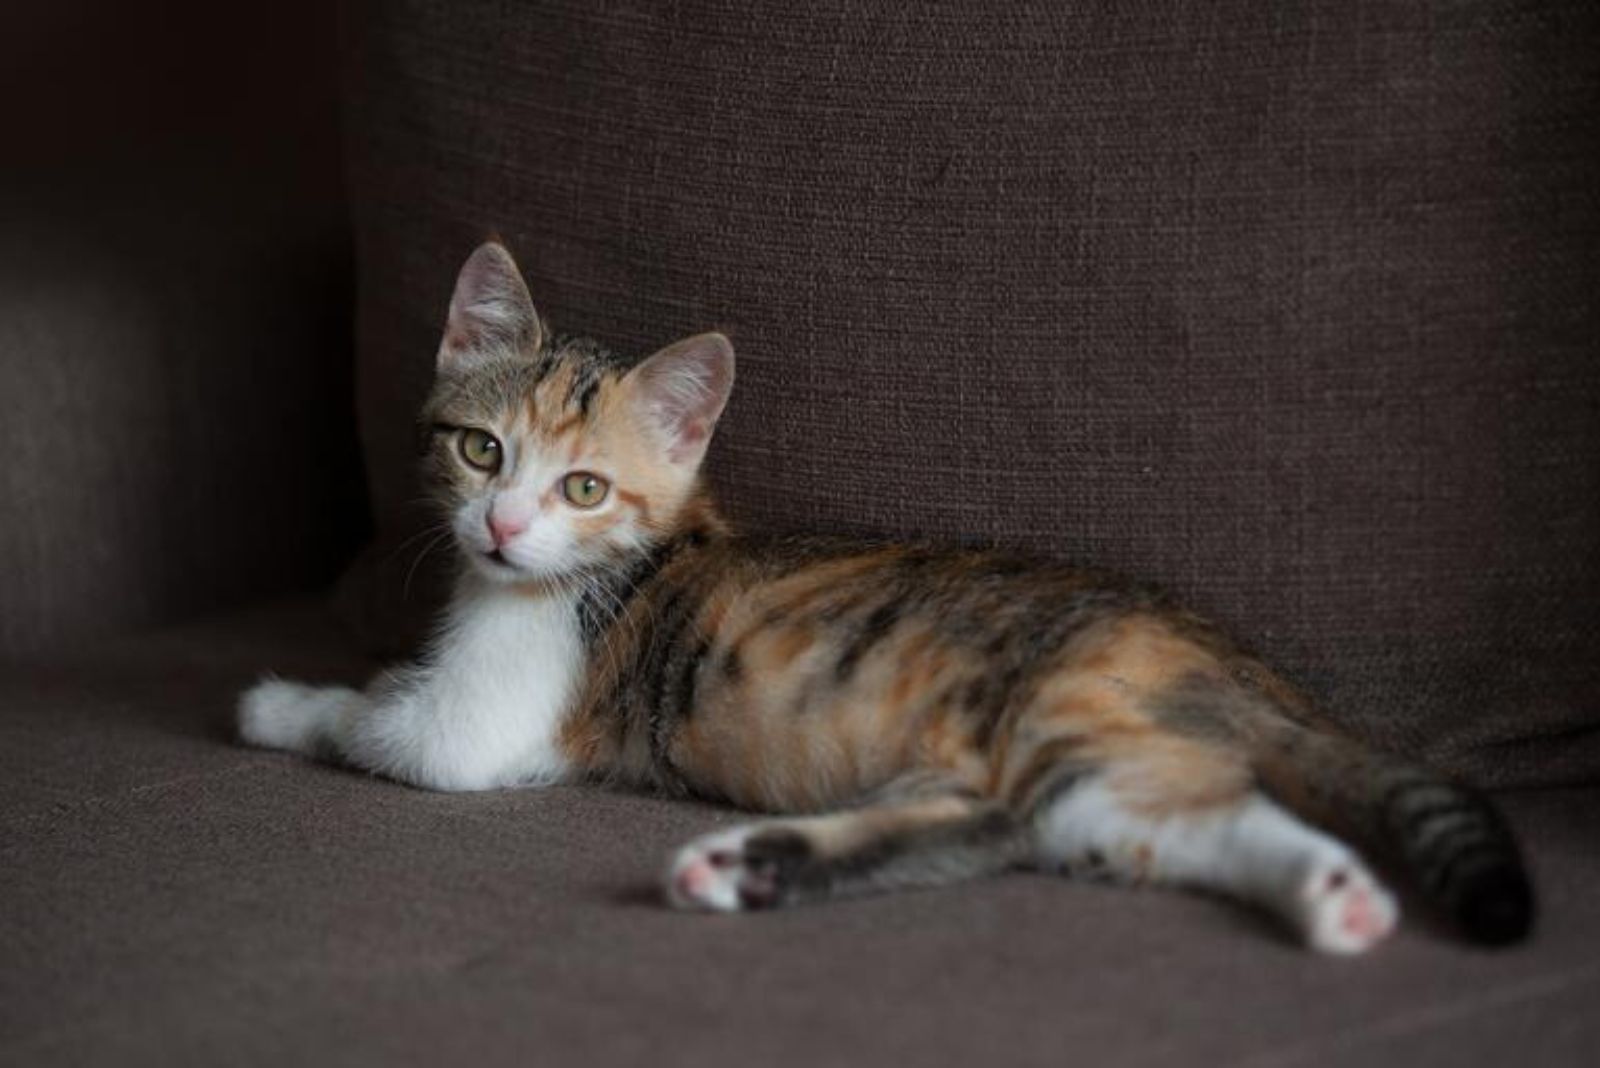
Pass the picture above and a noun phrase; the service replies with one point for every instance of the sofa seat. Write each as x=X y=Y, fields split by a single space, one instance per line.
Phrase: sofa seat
x=168 y=897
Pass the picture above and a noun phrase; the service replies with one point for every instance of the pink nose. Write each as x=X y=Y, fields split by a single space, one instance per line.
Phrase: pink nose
x=503 y=530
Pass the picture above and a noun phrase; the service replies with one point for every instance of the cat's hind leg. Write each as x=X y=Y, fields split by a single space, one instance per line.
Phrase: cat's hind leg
x=1247 y=847
x=924 y=840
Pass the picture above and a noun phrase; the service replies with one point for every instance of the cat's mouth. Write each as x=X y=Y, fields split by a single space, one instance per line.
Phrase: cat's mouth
x=498 y=567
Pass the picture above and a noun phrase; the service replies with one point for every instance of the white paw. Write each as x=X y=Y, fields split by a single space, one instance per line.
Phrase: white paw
x=275 y=714
x=750 y=867
x=1343 y=909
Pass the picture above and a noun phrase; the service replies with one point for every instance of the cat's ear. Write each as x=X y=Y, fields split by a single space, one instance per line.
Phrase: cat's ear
x=490 y=310
x=680 y=392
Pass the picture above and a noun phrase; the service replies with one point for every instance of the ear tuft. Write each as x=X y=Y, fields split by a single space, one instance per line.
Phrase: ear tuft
x=490 y=311
x=682 y=390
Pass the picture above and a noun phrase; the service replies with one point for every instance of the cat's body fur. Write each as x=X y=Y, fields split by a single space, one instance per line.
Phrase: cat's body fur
x=920 y=715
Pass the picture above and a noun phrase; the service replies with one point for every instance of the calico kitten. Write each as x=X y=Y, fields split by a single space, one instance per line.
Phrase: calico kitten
x=918 y=715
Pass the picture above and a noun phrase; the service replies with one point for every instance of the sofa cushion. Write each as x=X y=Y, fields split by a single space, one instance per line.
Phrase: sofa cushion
x=168 y=897
x=1290 y=310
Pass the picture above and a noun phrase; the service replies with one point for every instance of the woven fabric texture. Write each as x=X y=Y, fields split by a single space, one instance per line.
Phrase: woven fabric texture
x=175 y=343
x=1291 y=308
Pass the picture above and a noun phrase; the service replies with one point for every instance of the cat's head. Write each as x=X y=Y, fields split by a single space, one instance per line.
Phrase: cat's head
x=552 y=456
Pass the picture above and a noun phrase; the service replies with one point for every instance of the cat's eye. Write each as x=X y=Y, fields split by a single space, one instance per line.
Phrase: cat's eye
x=481 y=449
x=583 y=489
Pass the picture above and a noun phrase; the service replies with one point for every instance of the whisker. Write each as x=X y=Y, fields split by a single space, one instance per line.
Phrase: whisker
x=405 y=589
x=431 y=528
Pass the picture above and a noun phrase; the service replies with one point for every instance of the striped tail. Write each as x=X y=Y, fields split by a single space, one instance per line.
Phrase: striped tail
x=1450 y=839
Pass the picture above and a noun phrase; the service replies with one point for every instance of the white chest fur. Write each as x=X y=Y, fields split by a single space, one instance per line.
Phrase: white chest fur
x=486 y=709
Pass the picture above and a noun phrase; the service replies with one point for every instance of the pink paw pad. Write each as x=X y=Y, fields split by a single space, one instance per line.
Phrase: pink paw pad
x=1346 y=911
x=1361 y=917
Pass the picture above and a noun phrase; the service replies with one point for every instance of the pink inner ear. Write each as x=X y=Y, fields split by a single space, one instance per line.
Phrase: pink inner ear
x=683 y=389
x=691 y=433
x=490 y=307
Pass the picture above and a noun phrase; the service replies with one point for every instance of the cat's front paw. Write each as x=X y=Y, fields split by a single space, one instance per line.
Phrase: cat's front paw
x=276 y=714
x=751 y=867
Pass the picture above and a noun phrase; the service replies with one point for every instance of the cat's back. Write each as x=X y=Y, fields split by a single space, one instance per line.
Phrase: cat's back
x=790 y=672
x=969 y=594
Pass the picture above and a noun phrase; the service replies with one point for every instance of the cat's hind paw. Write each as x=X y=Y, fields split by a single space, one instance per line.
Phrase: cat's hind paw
x=277 y=714
x=1344 y=910
x=746 y=868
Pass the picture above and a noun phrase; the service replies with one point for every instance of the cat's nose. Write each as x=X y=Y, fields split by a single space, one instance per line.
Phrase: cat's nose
x=503 y=528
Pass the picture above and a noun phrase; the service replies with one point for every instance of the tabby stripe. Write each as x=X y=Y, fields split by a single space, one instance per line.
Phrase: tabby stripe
x=1021 y=653
x=597 y=612
x=991 y=698
x=877 y=627
x=1428 y=832
x=676 y=621
x=629 y=691
x=548 y=358
x=1444 y=853
x=1412 y=803
x=1403 y=794
x=988 y=712
x=688 y=680
x=584 y=386
x=1054 y=768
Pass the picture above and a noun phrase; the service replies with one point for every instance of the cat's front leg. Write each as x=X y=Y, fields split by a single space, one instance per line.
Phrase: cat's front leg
x=412 y=727
x=279 y=714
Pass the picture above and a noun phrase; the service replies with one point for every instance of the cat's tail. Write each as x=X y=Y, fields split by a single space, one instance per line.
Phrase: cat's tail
x=1450 y=839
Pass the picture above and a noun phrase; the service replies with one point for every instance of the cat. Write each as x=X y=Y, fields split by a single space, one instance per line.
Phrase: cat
x=906 y=715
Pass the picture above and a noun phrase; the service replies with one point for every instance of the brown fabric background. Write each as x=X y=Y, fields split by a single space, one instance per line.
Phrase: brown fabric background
x=176 y=411
x=1290 y=307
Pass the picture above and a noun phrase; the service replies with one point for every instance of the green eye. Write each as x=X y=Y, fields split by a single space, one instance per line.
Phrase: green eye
x=584 y=490
x=481 y=449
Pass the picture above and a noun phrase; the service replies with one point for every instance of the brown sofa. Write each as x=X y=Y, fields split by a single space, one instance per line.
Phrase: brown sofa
x=1289 y=307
